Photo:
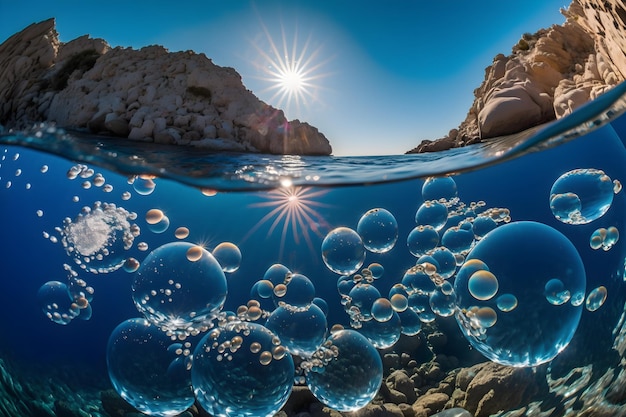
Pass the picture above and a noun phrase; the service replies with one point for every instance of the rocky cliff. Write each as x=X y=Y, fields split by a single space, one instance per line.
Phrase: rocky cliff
x=547 y=76
x=148 y=95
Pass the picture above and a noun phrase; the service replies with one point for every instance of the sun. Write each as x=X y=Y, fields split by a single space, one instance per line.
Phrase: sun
x=292 y=81
x=292 y=71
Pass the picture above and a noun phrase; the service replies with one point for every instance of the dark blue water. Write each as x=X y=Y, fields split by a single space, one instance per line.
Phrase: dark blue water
x=330 y=193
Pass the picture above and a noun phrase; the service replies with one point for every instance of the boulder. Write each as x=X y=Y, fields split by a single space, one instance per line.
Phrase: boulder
x=400 y=381
x=491 y=388
x=430 y=403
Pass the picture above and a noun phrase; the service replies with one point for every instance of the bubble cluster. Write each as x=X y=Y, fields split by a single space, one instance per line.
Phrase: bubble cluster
x=99 y=236
x=516 y=290
x=444 y=235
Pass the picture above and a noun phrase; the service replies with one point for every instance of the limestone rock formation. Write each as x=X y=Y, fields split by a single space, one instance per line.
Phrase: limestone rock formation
x=548 y=75
x=148 y=95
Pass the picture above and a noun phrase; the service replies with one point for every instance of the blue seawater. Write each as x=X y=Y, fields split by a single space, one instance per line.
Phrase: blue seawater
x=530 y=274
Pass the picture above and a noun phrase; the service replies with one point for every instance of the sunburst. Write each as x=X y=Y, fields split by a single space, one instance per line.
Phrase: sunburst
x=291 y=71
x=294 y=208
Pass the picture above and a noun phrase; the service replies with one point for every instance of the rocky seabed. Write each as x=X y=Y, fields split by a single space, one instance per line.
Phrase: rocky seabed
x=438 y=387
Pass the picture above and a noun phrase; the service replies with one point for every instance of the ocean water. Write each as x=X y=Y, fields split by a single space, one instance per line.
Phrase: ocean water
x=171 y=277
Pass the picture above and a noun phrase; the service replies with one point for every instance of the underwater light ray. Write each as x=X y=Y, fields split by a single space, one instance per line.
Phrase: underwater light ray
x=283 y=237
x=263 y=220
x=310 y=222
x=295 y=221
x=282 y=213
x=308 y=214
x=294 y=208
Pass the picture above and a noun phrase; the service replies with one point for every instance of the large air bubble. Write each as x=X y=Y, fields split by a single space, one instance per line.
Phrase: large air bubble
x=242 y=370
x=422 y=239
x=432 y=213
x=56 y=303
x=146 y=372
x=437 y=188
x=581 y=196
x=228 y=255
x=350 y=372
x=343 y=251
x=382 y=334
x=298 y=291
x=510 y=307
x=378 y=229
x=302 y=330
x=179 y=287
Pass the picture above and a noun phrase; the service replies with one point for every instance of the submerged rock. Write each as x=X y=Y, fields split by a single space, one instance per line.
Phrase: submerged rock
x=490 y=388
x=148 y=95
x=400 y=381
x=547 y=76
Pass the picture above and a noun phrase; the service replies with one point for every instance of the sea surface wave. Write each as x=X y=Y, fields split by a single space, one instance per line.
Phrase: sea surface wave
x=246 y=172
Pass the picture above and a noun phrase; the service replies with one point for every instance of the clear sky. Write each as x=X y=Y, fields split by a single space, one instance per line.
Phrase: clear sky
x=377 y=77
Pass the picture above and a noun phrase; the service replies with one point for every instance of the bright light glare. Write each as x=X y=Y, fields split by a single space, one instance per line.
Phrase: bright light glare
x=293 y=80
x=291 y=73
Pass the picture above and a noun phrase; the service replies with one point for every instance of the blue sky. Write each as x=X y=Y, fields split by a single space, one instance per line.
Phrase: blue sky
x=383 y=74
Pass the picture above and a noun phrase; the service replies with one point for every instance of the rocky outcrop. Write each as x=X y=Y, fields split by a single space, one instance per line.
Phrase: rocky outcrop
x=548 y=75
x=148 y=95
